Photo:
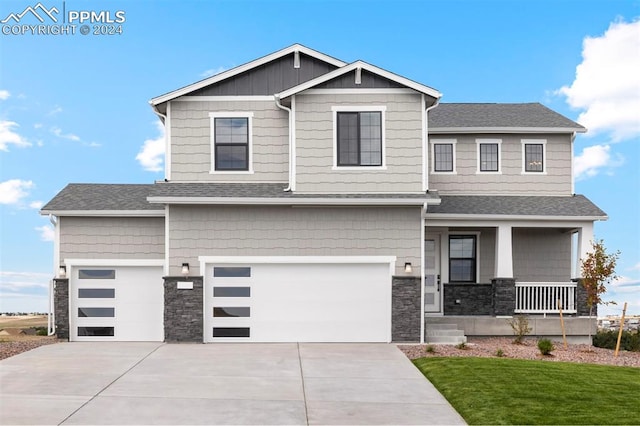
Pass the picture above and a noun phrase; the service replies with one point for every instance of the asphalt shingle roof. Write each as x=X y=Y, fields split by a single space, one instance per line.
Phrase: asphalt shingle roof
x=472 y=115
x=577 y=205
x=98 y=196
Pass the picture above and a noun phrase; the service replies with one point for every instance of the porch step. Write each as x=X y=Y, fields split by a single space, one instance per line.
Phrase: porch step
x=445 y=334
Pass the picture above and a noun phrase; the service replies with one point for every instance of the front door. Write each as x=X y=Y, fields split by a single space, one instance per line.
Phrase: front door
x=432 y=284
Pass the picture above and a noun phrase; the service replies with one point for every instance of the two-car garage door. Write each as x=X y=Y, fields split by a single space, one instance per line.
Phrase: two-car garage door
x=281 y=301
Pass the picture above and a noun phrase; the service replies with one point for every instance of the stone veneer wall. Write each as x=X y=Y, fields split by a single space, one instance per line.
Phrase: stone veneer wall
x=61 y=307
x=468 y=299
x=504 y=296
x=405 y=312
x=581 y=301
x=183 y=312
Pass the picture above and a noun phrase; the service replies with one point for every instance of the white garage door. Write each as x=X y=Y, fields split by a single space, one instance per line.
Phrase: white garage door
x=299 y=302
x=123 y=303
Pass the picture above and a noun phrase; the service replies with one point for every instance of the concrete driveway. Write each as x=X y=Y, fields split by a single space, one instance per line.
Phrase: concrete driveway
x=155 y=383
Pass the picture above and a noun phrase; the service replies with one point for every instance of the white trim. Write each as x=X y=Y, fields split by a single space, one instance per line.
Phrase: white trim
x=444 y=130
x=573 y=178
x=291 y=201
x=298 y=259
x=363 y=91
x=167 y=143
x=479 y=142
x=167 y=241
x=231 y=114
x=100 y=213
x=225 y=98
x=446 y=251
x=113 y=262
x=56 y=248
x=382 y=109
x=532 y=220
x=293 y=143
x=433 y=143
x=542 y=142
x=242 y=68
x=423 y=232
x=368 y=67
x=424 y=143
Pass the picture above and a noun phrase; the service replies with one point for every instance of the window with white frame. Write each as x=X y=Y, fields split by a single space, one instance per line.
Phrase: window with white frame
x=534 y=156
x=358 y=136
x=231 y=137
x=462 y=258
x=443 y=156
x=489 y=155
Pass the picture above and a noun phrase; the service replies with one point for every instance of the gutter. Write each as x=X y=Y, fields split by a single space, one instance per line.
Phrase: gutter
x=282 y=107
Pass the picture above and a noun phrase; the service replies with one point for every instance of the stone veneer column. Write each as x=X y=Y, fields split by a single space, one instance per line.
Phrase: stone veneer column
x=61 y=307
x=504 y=296
x=581 y=301
x=183 y=310
x=405 y=310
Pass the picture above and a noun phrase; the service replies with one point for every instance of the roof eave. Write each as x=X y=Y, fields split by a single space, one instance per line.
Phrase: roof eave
x=494 y=217
x=294 y=201
x=452 y=130
x=245 y=67
x=104 y=213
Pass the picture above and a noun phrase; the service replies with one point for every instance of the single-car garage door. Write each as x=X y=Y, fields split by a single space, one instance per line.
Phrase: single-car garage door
x=283 y=301
x=120 y=303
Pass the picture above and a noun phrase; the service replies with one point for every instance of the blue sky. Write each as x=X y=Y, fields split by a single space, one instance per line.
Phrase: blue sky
x=73 y=108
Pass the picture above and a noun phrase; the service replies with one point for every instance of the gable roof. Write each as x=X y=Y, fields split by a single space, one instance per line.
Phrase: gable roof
x=242 y=68
x=103 y=199
x=496 y=118
x=365 y=66
x=495 y=206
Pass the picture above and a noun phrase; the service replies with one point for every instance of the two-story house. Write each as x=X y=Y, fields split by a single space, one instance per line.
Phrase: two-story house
x=309 y=199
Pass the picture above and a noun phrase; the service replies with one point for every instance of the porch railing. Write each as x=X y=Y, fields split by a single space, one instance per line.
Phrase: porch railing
x=542 y=298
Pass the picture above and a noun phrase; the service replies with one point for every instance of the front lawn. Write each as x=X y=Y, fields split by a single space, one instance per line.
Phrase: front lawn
x=513 y=391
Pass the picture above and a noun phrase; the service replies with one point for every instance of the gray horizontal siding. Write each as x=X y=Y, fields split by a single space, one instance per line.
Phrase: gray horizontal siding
x=269 y=78
x=111 y=238
x=314 y=145
x=281 y=231
x=556 y=181
x=541 y=255
x=191 y=141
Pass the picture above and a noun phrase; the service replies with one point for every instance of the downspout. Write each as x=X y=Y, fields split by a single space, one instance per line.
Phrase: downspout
x=279 y=105
x=426 y=124
x=423 y=224
x=51 y=323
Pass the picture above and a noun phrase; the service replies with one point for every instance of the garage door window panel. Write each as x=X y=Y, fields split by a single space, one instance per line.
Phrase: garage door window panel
x=231 y=272
x=231 y=312
x=97 y=274
x=96 y=331
x=91 y=312
x=231 y=332
x=232 y=292
x=96 y=293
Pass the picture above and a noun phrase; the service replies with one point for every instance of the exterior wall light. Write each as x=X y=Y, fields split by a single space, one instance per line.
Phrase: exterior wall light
x=185 y=269
x=408 y=268
x=62 y=271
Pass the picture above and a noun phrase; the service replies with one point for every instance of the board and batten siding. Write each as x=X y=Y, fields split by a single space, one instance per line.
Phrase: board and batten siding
x=111 y=238
x=285 y=231
x=511 y=181
x=541 y=254
x=191 y=141
x=315 y=153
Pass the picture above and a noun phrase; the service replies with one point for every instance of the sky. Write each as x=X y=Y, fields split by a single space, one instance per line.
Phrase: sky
x=74 y=108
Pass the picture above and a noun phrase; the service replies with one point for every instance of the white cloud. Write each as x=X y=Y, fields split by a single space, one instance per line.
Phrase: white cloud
x=37 y=126
x=14 y=190
x=594 y=159
x=46 y=232
x=16 y=281
x=151 y=155
x=4 y=95
x=635 y=267
x=56 y=110
x=36 y=204
x=606 y=86
x=212 y=71
x=9 y=136
x=58 y=132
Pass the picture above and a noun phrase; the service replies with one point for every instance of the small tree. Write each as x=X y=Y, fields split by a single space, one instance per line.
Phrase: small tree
x=598 y=270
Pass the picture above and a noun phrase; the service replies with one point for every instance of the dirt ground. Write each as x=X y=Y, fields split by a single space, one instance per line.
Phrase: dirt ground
x=23 y=321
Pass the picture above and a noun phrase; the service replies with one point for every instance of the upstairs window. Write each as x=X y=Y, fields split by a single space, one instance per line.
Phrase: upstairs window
x=533 y=156
x=359 y=137
x=443 y=156
x=231 y=142
x=488 y=155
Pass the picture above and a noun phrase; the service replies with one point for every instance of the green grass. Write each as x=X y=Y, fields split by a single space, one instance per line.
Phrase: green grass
x=513 y=391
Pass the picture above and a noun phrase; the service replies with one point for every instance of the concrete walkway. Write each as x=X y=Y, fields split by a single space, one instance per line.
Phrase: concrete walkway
x=155 y=383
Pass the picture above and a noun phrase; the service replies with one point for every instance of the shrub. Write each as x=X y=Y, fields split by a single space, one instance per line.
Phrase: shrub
x=520 y=326
x=430 y=349
x=499 y=353
x=629 y=341
x=461 y=346
x=545 y=346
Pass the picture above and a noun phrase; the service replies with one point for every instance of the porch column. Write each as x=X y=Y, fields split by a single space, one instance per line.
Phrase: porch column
x=504 y=252
x=585 y=237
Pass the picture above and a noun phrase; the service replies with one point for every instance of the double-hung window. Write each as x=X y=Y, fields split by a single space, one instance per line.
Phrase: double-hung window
x=462 y=258
x=533 y=156
x=443 y=156
x=231 y=142
x=488 y=155
x=359 y=137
